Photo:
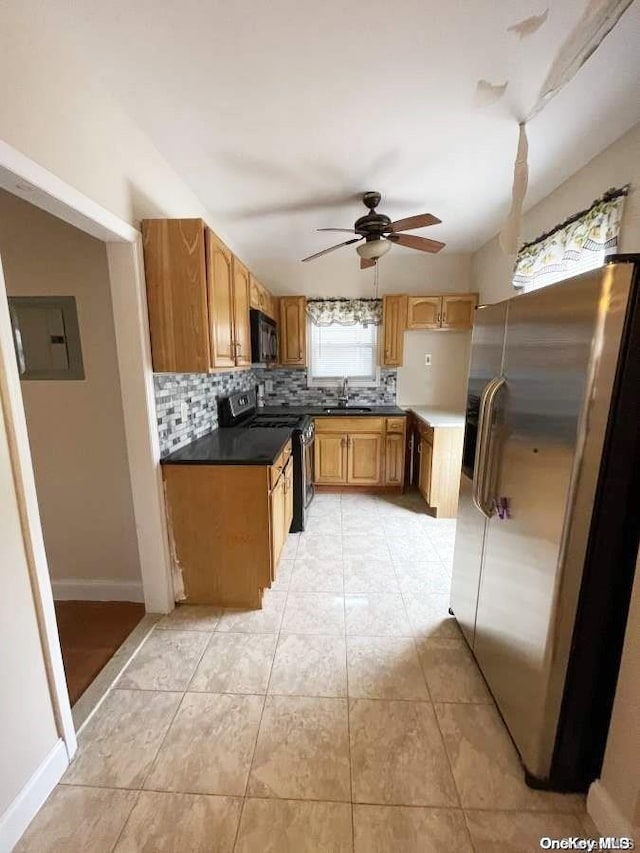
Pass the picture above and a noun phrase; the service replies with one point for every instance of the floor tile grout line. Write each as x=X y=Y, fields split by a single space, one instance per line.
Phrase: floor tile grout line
x=264 y=704
x=491 y=810
x=348 y=704
x=128 y=818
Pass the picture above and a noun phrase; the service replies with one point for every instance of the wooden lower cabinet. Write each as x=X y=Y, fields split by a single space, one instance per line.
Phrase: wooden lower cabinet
x=366 y=451
x=439 y=462
x=281 y=513
x=394 y=460
x=364 y=466
x=227 y=526
x=425 y=452
x=330 y=460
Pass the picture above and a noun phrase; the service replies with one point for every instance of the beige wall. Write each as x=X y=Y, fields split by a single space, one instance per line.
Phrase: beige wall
x=621 y=770
x=615 y=166
x=27 y=725
x=56 y=112
x=444 y=384
x=491 y=276
x=76 y=428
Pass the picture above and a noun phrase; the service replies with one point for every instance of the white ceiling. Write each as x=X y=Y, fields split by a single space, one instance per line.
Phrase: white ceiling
x=264 y=107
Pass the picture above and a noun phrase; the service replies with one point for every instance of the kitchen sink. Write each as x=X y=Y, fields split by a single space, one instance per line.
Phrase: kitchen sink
x=354 y=410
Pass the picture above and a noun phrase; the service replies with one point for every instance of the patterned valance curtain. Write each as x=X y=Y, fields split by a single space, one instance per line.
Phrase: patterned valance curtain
x=345 y=312
x=579 y=244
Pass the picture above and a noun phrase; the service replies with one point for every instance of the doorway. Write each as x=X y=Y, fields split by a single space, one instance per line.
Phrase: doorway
x=58 y=286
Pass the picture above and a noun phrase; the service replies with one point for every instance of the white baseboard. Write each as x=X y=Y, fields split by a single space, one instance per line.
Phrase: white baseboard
x=101 y=589
x=30 y=799
x=607 y=817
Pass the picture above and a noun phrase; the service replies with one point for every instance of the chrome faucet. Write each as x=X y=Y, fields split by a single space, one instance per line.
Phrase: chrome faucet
x=343 y=397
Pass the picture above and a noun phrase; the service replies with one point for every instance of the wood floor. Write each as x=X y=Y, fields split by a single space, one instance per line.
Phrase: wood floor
x=90 y=634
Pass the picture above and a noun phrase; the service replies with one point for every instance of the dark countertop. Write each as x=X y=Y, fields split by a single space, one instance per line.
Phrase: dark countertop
x=232 y=446
x=319 y=412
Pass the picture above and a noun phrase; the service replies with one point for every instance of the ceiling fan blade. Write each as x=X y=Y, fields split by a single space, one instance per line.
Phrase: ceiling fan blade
x=365 y=263
x=343 y=230
x=411 y=222
x=413 y=242
x=332 y=249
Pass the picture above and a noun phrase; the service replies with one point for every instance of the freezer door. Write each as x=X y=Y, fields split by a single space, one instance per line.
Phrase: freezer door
x=486 y=363
x=540 y=423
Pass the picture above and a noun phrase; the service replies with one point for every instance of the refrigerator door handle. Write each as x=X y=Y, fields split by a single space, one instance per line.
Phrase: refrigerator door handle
x=483 y=456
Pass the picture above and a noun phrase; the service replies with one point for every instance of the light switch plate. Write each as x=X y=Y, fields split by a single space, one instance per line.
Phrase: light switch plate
x=427 y=361
x=184 y=411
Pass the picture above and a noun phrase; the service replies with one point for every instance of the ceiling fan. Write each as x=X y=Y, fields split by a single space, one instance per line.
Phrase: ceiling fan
x=380 y=233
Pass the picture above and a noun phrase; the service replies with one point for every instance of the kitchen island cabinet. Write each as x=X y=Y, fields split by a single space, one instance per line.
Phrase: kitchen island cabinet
x=228 y=523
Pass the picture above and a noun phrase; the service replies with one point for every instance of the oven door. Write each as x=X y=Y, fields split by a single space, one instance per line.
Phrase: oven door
x=308 y=488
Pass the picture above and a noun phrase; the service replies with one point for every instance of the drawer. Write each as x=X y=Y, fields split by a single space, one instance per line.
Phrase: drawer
x=279 y=466
x=350 y=425
x=395 y=424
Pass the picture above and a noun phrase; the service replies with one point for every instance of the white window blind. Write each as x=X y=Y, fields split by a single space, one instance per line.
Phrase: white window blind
x=338 y=351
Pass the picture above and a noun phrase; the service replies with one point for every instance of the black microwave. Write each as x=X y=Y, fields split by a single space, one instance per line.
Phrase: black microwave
x=264 y=338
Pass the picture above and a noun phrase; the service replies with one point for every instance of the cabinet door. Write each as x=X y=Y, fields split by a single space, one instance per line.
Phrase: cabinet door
x=330 y=459
x=365 y=458
x=241 y=327
x=394 y=321
x=293 y=330
x=255 y=293
x=220 y=287
x=426 y=458
x=277 y=510
x=423 y=312
x=458 y=311
x=175 y=271
x=394 y=460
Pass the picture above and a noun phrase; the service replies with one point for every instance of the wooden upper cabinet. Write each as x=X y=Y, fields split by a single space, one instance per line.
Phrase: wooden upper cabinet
x=261 y=299
x=393 y=326
x=198 y=295
x=293 y=331
x=241 y=326
x=221 y=301
x=423 y=312
x=458 y=311
x=176 y=275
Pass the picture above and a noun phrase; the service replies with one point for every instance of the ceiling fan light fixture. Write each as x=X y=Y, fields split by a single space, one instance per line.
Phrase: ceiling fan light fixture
x=373 y=249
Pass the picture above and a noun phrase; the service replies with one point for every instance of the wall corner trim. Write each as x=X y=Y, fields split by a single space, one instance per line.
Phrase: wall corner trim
x=100 y=589
x=606 y=815
x=26 y=805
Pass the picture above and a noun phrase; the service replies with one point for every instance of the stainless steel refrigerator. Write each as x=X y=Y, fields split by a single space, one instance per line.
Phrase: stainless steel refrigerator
x=549 y=517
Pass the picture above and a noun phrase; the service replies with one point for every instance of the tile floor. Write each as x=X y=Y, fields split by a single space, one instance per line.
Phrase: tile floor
x=346 y=716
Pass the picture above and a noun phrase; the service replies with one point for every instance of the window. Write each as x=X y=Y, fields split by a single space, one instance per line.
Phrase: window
x=338 y=351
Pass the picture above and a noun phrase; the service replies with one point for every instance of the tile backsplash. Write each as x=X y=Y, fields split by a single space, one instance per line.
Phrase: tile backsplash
x=290 y=386
x=200 y=393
